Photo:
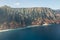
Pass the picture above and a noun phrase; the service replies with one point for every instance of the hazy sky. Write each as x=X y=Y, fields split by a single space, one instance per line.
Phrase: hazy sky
x=54 y=4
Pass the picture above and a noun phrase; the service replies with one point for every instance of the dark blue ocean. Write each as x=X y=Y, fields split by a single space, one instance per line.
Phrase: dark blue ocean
x=51 y=32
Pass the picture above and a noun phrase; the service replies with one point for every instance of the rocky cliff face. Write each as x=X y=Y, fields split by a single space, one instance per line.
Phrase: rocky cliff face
x=26 y=16
x=57 y=13
x=25 y=12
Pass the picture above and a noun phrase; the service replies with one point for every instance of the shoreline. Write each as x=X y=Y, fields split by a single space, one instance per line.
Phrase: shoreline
x=31 y=26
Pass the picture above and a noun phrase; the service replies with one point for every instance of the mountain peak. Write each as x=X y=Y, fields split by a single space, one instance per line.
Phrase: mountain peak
x=5 y=6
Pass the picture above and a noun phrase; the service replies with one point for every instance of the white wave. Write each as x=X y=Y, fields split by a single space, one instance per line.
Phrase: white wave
x=29 y=26
x=5 y=30
x=46 y=24
x=33 y=25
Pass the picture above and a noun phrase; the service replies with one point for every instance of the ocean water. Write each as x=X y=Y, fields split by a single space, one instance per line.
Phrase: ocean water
x=50 y=32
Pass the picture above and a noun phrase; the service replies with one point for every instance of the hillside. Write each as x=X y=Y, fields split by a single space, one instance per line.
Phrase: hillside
x=20 y=17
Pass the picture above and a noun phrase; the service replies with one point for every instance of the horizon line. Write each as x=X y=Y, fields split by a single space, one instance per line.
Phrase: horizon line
x=31 y=7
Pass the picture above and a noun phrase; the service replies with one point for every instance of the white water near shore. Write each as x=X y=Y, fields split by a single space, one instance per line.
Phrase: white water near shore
x=24 y=27
x=6 y=30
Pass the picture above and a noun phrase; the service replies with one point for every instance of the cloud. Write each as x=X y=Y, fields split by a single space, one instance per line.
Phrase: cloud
x=17 y=4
